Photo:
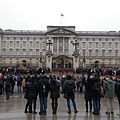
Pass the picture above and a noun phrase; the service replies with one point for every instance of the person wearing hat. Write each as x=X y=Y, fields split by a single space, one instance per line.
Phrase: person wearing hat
x=55 y=94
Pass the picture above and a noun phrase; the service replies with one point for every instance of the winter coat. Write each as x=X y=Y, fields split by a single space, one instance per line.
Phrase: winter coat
x=87 y=93
x=94 y=93
x=55 y=90
x=26 y=96
x=32 y=89
x=7 y=87
x=1 y=83
x=47 y=87
x=109 y=88
x=117 y=87
x=72 y=94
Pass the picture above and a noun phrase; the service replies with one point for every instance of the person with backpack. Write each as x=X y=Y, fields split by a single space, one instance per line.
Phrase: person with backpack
x=19 y=82
x=117 y=90
x=68 y=89
x=109 y=93
x=55 y=93
x=43 y=89
x=94 y=91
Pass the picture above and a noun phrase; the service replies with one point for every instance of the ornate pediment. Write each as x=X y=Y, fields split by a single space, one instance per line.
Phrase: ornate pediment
x=61 y=30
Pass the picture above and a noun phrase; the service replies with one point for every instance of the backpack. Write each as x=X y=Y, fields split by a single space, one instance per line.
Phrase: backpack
x=70 y=89
x=96 y=86
x=43 y=88
x=19 y=78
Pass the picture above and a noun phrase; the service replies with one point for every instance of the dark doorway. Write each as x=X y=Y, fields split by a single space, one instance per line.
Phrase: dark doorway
x=24 y=63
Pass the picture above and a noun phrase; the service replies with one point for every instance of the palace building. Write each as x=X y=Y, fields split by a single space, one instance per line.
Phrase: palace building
x=59 y=47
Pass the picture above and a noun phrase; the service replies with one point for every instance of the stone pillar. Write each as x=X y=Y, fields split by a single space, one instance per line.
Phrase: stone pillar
x=49 y=62
x=49 y=59
x=75 y=62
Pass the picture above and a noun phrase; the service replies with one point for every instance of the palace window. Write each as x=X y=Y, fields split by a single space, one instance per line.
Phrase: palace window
x=31 y=44
x=90 y=52
x=103 y=52
x=66 y=51
x=110 y=45
x=109 y=52
x=116 y=53
x=55 y=52
x=17 y=52
x=24 y=43
x=4 y=43
x=97 y=53
x=11 y=52
x=37 y=52
x=31 y=51
x=37 y=44
x=17 y=43
x=4 y=51
x=24 y=51
x=103 y=44
x=97 y=45
x=83 y=44
x=90 y=44
x=116 y=45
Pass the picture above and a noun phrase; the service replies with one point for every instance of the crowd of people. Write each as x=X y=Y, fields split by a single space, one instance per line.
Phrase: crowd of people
x=41 y=85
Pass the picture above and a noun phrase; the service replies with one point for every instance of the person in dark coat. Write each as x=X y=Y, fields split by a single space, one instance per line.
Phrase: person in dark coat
x=117 y=90
x=7 y=88
x=32 y=94
x=68 y=89
x=81 y=82
x=43 y=89
x=95 y=93
x=19 y=82
x=55 y=93
x=26 y=96
x=1 y=84
x=87 y=94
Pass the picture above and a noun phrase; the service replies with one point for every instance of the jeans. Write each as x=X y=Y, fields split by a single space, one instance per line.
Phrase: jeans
x=32 y=102
x=73 y=102
x=43 y=105
x=96 y=104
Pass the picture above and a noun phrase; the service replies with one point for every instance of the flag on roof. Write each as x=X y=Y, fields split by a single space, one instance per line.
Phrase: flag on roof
x=62 y=15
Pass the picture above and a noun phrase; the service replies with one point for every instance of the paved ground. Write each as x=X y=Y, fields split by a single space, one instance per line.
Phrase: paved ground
x=13 y=109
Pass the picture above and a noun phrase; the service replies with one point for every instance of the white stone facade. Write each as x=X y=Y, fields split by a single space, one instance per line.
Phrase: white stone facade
x=101 y=48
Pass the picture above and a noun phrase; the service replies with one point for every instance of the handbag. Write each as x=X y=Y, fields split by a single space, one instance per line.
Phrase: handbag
x=101 y=92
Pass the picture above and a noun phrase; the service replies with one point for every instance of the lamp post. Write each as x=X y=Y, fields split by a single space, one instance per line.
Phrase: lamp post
x=84 y=59
x=41 y=59
x=49 y=43
x=49 y=55
x=75 y=44
x=75 y=54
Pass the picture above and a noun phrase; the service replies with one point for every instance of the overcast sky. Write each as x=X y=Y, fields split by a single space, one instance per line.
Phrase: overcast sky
x=85 y=15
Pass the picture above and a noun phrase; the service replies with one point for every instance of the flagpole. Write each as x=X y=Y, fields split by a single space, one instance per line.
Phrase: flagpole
x=61 y=19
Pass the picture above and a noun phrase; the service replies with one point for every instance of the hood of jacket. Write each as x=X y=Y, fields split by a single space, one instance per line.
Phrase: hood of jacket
x=70 y=82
